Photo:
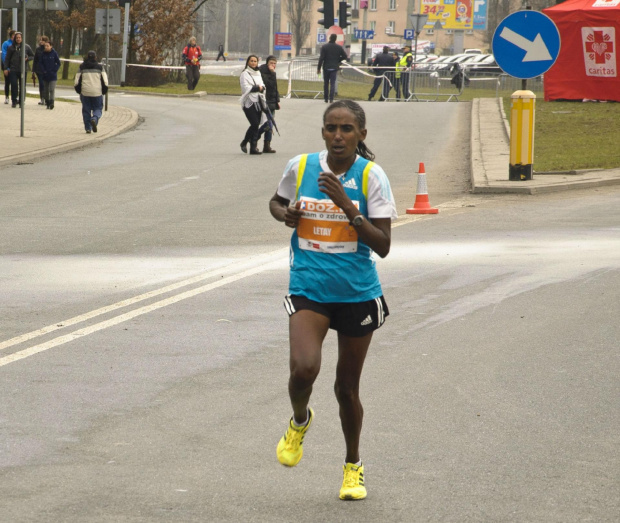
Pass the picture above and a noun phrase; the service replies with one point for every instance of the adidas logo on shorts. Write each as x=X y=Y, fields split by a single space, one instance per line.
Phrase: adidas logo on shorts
x=367 y=321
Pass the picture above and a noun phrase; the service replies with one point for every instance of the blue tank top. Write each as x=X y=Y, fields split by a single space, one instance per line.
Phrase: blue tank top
x=328 y=262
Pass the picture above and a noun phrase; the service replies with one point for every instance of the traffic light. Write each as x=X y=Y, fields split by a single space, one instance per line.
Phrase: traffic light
x=328 y=13
x=343 y=14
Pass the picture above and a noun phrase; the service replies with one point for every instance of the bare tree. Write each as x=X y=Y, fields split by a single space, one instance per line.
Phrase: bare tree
x=497 y=10
x=299 y=16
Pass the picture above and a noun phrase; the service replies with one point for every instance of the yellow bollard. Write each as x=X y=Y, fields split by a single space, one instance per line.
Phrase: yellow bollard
x=522 y=109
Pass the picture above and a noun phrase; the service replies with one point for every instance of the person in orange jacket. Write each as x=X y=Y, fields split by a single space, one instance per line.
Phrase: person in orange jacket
x=192 y=56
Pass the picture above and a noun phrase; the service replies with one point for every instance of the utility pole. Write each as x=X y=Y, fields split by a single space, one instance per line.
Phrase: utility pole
x=271 y=27
x=125 y=43
x=107 y=48
x=226 y=30
x=364 y=20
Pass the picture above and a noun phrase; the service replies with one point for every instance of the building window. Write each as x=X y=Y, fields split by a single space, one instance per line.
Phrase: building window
x=308 y=5
x=288 y=27
x=373 y=26
x=392 y=27
x=449 y=31
x=469 y=32
x=430 y=31
x=373 y=5
x=355 y=4
x=392 y=5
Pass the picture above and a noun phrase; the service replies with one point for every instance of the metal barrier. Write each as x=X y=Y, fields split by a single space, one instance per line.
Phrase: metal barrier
x=302 y=73
x=113 y=70
x=504 y=85
x=424 y=85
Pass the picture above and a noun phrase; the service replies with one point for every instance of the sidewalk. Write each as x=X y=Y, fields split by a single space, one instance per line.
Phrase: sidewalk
x=54 y=131
x=490 y=158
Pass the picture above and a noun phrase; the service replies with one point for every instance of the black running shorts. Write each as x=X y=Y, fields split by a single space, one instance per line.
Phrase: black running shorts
x=351 y=319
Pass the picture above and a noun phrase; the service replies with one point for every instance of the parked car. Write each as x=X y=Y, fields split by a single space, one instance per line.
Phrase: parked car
x=422 y=64
x=443 y=68
x=483 y=67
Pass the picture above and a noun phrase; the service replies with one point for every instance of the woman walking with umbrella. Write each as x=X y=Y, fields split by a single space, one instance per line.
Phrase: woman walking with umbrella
x=252 y=89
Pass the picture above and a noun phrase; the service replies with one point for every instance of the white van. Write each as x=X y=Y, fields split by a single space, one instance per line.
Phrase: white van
x=472 y=51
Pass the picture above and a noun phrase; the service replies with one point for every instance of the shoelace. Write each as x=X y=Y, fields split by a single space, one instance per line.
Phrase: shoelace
x=350 y=477
x=293 y=439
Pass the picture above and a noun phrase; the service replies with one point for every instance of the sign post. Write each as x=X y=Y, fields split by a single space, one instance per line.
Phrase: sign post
x=418 y=21
x=525 y=45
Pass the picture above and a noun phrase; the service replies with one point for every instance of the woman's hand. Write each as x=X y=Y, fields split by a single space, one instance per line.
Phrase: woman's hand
x=332 y=187
x=292 y=215
x=282 y=211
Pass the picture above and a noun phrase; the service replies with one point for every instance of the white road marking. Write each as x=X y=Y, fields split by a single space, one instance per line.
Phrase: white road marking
x=240 y=266
x=36 y=349
x=258 y=264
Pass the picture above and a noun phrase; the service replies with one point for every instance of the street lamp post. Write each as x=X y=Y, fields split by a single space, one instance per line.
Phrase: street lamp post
x=418 y=21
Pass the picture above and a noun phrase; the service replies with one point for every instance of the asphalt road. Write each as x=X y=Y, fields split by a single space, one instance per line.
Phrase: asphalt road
x=143 y=344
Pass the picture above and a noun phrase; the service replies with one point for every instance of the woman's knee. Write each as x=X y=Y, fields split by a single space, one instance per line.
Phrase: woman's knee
x=346 y=393
x=303 y=374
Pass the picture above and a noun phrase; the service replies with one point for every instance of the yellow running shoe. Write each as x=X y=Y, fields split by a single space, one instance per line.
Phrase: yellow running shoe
x=353 y=482
x=290 y=448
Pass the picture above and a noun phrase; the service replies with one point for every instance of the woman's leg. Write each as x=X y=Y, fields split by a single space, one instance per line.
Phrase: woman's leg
x=307 y=330
x=50 y=88
x=253 y=117
x=41 y=88
x=14 y=80
x=351 y=356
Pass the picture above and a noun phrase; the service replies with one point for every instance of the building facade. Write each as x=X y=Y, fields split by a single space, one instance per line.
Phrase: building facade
x=388 y=19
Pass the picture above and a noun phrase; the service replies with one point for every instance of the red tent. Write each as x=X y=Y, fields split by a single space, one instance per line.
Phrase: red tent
x=587 y=67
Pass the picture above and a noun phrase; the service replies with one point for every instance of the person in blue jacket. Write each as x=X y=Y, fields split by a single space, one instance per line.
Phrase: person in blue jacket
x=341 y=206
x=5 y=48
x=49 y=63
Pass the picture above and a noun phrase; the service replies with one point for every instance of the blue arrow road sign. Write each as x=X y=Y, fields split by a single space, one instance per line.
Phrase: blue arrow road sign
x=364 y=34
x=408 y=34
x=526 y=44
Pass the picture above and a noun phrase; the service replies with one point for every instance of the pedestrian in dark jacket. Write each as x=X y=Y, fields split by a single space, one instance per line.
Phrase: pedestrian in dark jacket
x=383 y=63
x=36 y=69
x=268 y=73
x=13 y=67
x=49 y=63
x=331 y=56
x=220 y=53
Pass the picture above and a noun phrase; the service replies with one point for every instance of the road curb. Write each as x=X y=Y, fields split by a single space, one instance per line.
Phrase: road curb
x=490 y=158
x=131 y=121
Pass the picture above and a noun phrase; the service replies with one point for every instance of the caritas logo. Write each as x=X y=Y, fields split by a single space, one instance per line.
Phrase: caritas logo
x=599 y=51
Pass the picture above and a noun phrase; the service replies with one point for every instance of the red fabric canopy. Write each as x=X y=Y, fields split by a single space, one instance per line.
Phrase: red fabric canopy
x=587 y=67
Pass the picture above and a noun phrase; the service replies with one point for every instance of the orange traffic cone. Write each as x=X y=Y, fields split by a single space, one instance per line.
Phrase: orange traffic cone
x=422 y=205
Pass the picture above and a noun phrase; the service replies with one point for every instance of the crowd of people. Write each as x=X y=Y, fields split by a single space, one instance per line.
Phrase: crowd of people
x=392 y=72
x=91 y=80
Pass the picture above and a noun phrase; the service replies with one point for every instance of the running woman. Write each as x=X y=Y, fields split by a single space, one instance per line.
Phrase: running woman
x=341 y=206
